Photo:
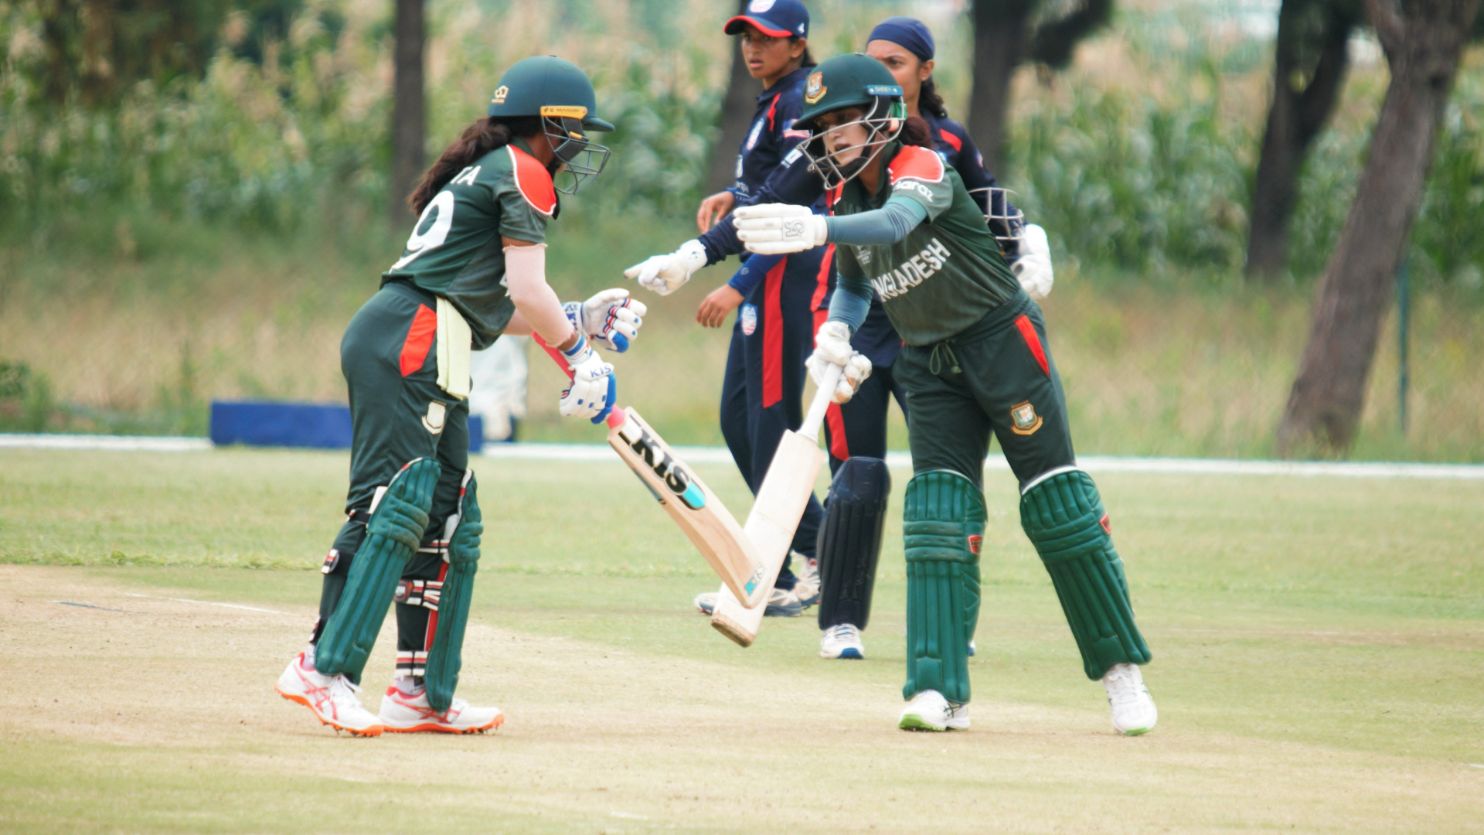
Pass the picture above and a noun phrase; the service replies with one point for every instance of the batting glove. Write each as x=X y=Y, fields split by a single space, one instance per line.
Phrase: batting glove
x=611 y=318
x=1033 y=267
x=593 y=388
x=832 y=350
x=664 y=274
x=779 y=228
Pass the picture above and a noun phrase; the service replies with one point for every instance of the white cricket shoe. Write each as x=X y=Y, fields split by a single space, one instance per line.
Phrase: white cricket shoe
x=781 y=604
x=929 y=711
x=404 y=713
x=806 y=587
x=841 y=641
x=1133 y=708
x=332 y=699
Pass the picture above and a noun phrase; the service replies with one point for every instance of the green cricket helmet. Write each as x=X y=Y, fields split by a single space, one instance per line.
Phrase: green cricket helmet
x=842 y=82
x=560 y=94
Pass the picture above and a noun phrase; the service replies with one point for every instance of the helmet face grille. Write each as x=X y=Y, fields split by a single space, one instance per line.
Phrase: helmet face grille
x=880 y=130
x=581 y=158
x=1006 y=221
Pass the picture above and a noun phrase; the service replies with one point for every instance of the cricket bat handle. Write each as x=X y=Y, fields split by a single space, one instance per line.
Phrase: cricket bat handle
x=823 y=396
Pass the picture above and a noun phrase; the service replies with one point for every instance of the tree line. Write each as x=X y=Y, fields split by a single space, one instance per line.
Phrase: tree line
x=93 y=49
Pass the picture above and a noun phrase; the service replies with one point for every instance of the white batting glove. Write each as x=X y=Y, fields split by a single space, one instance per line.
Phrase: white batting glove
x=1033 y=267
x=832 y=350
x=664 y=274
x=611 y=318
x=779 y=228
x=593 y=388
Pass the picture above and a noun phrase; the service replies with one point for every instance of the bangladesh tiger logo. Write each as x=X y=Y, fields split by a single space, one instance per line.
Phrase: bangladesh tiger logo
x=814 y=88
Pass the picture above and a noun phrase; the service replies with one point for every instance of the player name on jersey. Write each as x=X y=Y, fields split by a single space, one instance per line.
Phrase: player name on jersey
x=912 y=272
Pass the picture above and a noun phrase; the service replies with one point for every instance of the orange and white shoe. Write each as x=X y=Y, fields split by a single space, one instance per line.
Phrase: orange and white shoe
x=332 y=699
x=405 y=713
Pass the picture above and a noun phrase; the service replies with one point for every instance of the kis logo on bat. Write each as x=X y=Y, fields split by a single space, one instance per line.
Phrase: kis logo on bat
x=674 y=476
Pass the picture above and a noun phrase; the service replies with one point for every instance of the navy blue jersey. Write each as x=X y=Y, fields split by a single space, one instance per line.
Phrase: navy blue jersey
x=771 y=136
x=770 y=168
x=953 y=144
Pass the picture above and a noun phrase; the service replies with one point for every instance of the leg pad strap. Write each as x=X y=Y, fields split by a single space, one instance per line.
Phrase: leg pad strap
x=943 y=520
x=392 y=535
x=445 y=654
x=1064 y=518
x=850 y=541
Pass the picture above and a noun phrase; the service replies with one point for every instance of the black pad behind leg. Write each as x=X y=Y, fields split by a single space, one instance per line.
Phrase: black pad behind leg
x=849 y=544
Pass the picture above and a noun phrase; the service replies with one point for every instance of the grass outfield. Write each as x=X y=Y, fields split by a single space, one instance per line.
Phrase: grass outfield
x=1319 y=665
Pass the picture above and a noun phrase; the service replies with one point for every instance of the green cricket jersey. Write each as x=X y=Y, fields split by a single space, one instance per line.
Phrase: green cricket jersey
x=455 y=249
x=947 y=273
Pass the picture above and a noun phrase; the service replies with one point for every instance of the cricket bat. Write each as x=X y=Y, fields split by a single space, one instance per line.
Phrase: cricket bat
x=696 y=510
x=775 y=516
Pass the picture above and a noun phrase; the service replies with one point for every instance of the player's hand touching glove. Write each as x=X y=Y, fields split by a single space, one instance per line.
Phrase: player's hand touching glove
x=611 y=318
x=1033 y=267
x=779 y=228
x=832 y=349
x=593 y=388
x=664 y=274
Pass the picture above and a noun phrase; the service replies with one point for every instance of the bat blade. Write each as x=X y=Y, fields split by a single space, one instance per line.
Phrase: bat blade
x=775 y=516
x=770 y=527
x=696 y=510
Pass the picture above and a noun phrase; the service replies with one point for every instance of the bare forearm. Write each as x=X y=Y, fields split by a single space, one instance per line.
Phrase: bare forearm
x=536 y=304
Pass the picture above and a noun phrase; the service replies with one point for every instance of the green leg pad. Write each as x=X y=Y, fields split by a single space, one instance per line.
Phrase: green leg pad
x=392 y=536
x=1064 y=519
x=943 y=520
x=444 y=656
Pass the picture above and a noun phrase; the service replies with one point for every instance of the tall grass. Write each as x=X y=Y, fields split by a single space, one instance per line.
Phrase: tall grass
x=210 y=238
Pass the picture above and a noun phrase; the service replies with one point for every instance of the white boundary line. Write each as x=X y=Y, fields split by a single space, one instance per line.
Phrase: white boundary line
x=1096 y=463
x=126 y=443
x=718 y=455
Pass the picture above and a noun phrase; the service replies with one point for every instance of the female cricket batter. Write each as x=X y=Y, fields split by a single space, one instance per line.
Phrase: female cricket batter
x=764 y=379
x=474 y=268
x=850 y=538
x=975 y=361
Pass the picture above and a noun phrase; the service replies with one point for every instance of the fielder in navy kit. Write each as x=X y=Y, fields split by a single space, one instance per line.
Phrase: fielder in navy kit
x=774 y=297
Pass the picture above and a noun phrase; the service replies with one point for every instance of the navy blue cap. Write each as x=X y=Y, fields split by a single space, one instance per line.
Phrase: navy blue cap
x=774 y=18
x=906 y=32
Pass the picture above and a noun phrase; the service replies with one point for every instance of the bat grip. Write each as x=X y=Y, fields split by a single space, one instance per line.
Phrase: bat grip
x=556 y=356
x=821 y=403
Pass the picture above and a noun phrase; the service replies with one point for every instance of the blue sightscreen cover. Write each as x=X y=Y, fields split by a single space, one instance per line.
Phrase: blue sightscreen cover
x=316 y=425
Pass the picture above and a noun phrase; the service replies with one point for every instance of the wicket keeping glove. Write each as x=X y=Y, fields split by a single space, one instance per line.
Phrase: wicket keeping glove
x=610 y=317
x=593 y=388
x=664 y=274
x=1033 y=267
x=779 y=228
x=832 y=348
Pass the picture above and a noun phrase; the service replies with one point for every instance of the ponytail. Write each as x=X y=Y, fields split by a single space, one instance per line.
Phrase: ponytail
x=916 y=132
x=929 y=101
x=478 y=139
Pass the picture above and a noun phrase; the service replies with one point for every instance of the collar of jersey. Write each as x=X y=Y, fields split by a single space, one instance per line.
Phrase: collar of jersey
x=783 y=82
x=888 y=154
